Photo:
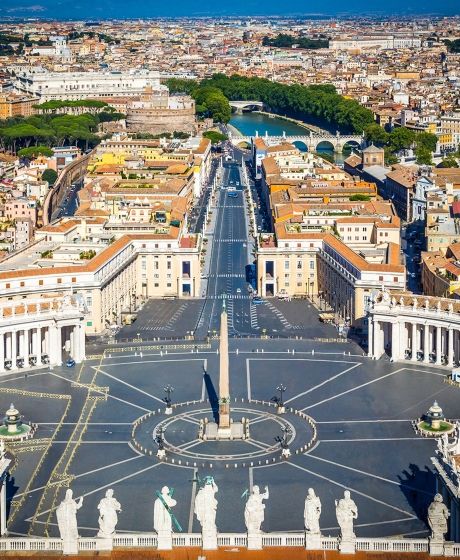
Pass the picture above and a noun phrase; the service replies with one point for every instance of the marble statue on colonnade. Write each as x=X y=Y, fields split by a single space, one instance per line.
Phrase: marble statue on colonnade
x=438 y=514
x=162 y=518
x=108 y=515
x=346 y=512
x=66 y=514
x=312 y=513
x=254 y=511
x=254 y=515
x=205 y=511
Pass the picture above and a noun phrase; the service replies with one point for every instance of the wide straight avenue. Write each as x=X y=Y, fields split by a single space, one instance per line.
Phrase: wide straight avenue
x=228 y=257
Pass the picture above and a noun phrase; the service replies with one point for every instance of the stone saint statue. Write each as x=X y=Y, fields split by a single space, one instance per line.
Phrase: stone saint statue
x=254 y=510
x=438 y=514
x=206 y=506
x=108 y=508
x=66 y=514
x=346 y=511
x=162 y=522
x=312 y=513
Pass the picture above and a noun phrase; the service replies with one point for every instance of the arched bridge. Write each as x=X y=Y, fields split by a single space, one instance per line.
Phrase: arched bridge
x=240 y=106
x=311 y=141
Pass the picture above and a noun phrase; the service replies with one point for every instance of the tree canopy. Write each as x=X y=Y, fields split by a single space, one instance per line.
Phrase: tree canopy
x=284 y=40
x=50 y=130
x=50 y=176
x=35 y=151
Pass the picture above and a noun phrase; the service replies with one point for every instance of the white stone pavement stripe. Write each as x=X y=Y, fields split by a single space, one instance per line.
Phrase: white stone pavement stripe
x=84 y=474
x=100 y=371
x=375 y=439
x=410 y=515
x=109 y=485
x=106 y=394
x=368 y=474
x=323 y=383
x=354 y=389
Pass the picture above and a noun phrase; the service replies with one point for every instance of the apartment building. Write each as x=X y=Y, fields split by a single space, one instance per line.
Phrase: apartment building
x=111 y=276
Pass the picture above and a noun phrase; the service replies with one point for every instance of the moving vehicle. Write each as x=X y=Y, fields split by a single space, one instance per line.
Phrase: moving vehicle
x=70 y=363
x=232 y=194
x=257 y=300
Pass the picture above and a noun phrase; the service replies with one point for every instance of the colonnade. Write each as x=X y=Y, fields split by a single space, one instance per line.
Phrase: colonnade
x=26 y=345
x=423 y=341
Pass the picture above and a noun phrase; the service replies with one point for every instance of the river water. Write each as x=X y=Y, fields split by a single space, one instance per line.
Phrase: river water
x=250 y=123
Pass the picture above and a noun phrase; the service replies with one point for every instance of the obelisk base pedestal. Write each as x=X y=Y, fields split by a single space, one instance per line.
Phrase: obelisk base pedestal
x=236 y=430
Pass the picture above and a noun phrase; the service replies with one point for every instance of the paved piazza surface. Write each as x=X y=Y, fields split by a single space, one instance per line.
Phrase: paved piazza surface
x=361 y=409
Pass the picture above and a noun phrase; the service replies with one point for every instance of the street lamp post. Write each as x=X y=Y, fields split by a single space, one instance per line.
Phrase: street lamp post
x=168 y=390
x=279 y=400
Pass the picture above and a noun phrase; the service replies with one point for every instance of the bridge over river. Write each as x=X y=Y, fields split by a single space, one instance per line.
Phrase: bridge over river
x=311 y=141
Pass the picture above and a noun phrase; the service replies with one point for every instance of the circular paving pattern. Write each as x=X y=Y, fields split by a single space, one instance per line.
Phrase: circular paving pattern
x=266 y=428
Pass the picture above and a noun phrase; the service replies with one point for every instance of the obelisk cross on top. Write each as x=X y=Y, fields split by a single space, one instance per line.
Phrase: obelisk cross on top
x=224 y=382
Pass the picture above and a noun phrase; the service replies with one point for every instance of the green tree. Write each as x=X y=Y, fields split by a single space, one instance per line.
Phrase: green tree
x=423 y=155
x=35 y=151
x=401 y=138
x=427 y=141
x=375 y=134
x=50 y=176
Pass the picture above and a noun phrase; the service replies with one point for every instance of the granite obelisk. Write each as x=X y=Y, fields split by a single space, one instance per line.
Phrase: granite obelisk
x=224 y=384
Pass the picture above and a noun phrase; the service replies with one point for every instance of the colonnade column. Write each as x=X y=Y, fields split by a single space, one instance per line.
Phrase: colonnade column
x=450 y=347
x=414 y=342
x=38 y=345
x=438 y=346
x=2 y=352
x=26 y=352
x=426 y=343
x=370 y=337
x=14 y=350
x=3 y=506
x=395 y=340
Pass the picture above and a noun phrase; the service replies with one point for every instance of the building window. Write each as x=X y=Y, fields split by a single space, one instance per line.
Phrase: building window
x=168 y=285
x=380 y=278
x=40 y=282
x=299 y=264
x=312 y=265
x=286 y=265
x=59 y=280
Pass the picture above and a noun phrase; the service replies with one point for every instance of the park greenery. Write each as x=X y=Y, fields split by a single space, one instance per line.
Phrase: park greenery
x=52 y=130
x=286 y=41
x=402 y=138
x=316 y=104
x=215 y=136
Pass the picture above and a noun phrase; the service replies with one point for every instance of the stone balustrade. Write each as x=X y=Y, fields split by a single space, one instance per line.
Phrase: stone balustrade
x=194 y=540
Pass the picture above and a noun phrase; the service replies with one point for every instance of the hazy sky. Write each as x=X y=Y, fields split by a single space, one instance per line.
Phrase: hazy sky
x=150 y=8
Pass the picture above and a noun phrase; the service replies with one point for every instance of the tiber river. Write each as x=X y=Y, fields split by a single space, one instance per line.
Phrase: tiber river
x=249 y=123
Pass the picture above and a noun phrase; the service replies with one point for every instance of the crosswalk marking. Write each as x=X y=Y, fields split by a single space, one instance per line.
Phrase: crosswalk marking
x=230 y=240
x=229 y=275
x=229 y=296
x=254 y=320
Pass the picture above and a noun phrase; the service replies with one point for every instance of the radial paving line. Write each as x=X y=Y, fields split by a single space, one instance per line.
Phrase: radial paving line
x=60 y=476
x=17 y=504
